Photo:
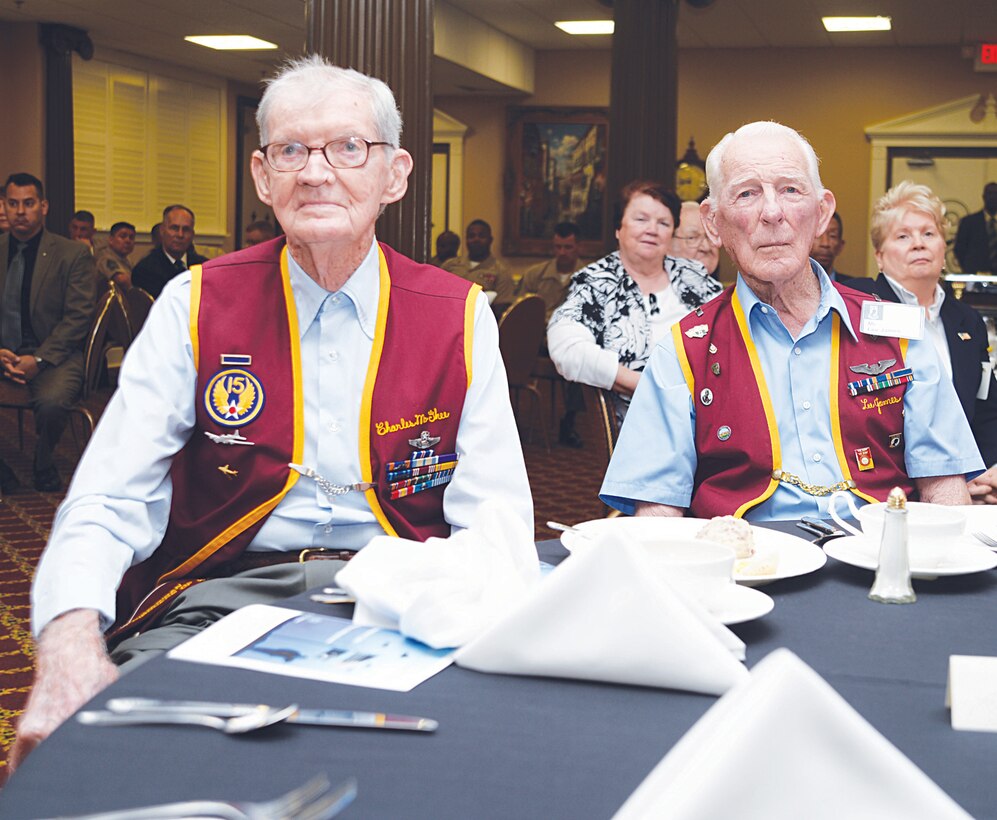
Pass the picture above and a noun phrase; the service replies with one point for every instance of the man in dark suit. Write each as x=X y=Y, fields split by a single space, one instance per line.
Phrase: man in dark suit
x=47 y=292
x=174 y=256
x=976 y=239
x=968 y=350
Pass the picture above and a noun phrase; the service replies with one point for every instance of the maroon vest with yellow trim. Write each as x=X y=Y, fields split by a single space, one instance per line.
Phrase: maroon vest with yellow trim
x=244 y=329
x=734 y=432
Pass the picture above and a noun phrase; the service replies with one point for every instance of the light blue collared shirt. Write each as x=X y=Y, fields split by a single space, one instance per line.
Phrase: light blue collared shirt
x=655 y=458
x=118 y=504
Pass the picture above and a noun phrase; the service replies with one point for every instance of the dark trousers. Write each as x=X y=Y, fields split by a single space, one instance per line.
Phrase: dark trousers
x=53 y=391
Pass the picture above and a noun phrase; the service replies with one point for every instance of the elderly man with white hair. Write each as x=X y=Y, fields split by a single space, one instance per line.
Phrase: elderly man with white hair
x=767 y=399
x=282 y=404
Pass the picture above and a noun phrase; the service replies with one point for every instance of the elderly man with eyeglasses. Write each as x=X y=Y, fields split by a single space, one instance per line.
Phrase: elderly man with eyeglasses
x=284 y=403
x=785 y=388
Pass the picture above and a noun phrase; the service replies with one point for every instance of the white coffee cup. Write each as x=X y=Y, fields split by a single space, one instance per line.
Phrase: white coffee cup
x=928 y=525
x=702 y=568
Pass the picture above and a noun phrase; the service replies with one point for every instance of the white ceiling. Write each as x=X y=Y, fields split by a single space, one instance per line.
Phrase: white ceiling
x=155 y=28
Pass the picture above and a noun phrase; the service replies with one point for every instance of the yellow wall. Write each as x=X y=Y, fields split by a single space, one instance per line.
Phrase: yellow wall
x=831 y=95
x=21 y=78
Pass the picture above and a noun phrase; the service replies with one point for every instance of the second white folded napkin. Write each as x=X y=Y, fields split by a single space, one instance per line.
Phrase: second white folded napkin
x=447 y=590
x=784 y=744
x=604 y=615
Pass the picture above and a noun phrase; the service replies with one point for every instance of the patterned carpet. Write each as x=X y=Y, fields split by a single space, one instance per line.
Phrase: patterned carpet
x=565 y=484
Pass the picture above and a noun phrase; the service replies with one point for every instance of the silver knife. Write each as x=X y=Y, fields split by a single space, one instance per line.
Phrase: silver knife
x=311 y=717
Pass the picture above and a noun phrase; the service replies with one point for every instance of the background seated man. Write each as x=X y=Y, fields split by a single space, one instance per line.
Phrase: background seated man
x=174 y=255
x=112 y=262
x=298 y=356
x=746 y=407
x=828 y=246
x=82 y=227
x=47 y=291
x=976 y=238
x=447 y=247
x=480 y=267
x=259 y=231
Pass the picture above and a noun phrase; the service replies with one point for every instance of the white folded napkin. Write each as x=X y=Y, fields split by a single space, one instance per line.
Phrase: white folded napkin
x=447 y=590
x=784 y=744
x=603 y=615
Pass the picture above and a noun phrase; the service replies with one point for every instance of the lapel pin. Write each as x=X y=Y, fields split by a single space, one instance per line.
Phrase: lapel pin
x=723 y=433
x=227 y=471
x=713 y=348
x=706 y=396
x=715 y=367
x=229 y=438
x=697 y=332
x=863 y=457
x=965 y=336
x=895 y=440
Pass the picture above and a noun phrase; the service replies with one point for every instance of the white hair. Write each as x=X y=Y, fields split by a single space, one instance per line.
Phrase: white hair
x=309 y=77
x=715 y=178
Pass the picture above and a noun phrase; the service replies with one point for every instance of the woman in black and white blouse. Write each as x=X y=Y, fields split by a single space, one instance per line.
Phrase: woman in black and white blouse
x=619 y=307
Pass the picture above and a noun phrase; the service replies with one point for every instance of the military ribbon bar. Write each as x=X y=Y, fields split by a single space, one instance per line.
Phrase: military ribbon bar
x=394 y=475
x=434 y=481
x=881 y=382
x=420 y=458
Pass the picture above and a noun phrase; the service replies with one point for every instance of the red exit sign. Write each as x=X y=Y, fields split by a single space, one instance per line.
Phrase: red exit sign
x=986 y=57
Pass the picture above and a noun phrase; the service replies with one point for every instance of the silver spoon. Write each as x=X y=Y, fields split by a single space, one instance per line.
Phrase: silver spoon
x=239 y=724
x=554 y=525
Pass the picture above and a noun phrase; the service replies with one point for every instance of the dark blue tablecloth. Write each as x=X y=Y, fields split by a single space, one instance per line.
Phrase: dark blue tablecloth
x=533 y=747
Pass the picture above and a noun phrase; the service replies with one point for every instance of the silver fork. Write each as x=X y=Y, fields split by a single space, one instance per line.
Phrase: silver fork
x=986 y=539
x=314 y=800
x=235 y=725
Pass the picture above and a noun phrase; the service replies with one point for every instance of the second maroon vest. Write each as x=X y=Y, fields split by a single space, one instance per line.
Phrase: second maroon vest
x=737 y=442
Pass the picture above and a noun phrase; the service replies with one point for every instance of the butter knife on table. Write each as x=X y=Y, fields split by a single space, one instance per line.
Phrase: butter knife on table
x=310 y=717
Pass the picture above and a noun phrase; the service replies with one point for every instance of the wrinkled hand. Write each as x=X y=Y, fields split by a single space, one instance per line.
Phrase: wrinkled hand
x=983 y=488
x=72 y=666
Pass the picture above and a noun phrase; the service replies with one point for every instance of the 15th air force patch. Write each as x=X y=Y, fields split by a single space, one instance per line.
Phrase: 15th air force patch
x=233 y=397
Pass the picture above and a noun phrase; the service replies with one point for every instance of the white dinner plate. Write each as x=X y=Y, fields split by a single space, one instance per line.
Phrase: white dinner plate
x=738 y=604
x=797 y=556
x=961 y=557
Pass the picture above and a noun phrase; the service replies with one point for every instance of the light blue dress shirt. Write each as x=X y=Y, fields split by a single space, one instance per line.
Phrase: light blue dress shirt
x=118 y=504
x=655 y=458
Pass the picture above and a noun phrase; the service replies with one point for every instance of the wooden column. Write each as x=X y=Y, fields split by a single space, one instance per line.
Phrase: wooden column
x=643 y=106
x=59 y=43
x=393 y=41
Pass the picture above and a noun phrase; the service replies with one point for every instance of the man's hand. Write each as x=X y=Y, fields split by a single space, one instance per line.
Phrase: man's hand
x=72 y=666
x=983 y=488
x=666 y=510
x=21 y=369
x=943 y=489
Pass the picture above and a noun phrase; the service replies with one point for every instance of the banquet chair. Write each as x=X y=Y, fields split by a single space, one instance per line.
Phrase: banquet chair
x=521 y=332
x=109 y=315
x=609 y=426
x=137 y=303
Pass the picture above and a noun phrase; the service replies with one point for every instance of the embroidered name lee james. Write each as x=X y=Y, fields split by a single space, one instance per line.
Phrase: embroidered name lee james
x=878 y=404
x=385 y=427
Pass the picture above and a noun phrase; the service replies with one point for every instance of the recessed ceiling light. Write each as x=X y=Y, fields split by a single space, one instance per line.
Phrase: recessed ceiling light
x=586 y=26
x=857 y=23
x=230 y=42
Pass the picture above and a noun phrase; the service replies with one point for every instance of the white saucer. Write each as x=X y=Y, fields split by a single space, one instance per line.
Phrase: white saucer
x=738 y=604
x=797 y=556
x=963 y=555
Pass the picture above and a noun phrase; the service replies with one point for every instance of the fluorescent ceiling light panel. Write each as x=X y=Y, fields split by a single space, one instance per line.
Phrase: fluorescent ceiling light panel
x=586 y=26
x=230 y=42
x=857 y=23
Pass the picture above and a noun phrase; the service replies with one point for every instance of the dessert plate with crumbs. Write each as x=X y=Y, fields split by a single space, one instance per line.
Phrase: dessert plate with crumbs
x=777 y=554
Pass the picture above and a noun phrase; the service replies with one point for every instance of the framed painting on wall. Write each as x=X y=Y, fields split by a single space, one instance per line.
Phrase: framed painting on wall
x=556 y=172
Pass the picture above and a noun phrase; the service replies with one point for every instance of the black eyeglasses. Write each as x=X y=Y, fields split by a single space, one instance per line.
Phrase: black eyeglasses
x=653 y=301
x=344 y=153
